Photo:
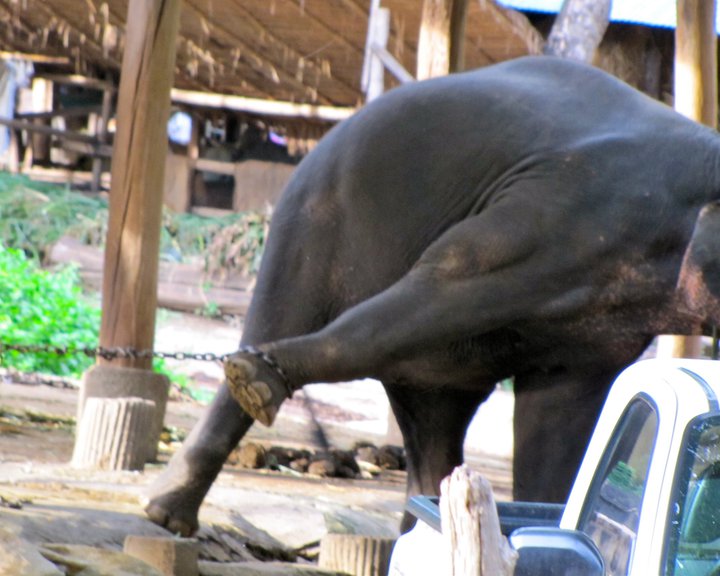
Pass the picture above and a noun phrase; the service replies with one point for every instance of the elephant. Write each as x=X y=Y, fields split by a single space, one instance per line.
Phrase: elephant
x=536 y=219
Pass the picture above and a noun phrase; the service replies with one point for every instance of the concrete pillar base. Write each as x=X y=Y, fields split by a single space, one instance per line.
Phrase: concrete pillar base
x=103 y=381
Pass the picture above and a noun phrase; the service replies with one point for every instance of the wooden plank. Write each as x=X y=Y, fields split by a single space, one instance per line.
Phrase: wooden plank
x=206 y=164
x=94 y=150
x=77 y=80
x=31 y=127
x=257 y=106
x=184 y=287
x=65 y=113
x=138 y=165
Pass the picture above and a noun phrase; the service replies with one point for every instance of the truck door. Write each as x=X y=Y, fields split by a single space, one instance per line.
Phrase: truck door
x=611 y=513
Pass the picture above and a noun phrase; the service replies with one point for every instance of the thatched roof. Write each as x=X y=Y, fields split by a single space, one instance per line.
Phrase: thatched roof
x=300 y=51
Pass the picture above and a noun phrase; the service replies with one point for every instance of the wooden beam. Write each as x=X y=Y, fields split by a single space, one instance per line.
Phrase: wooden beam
x=257 y=106
x=64 y=113
x=78 y=80
x=440 y=45
x=218 y=166
x=696 y=96
x=47 y=130
x=35 y=58
x=138 y=166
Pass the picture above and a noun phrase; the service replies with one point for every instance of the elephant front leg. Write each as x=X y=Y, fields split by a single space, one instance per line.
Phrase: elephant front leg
x=174 y=499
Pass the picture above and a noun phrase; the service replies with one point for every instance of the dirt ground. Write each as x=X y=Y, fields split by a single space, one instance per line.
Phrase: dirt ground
x=52 y=502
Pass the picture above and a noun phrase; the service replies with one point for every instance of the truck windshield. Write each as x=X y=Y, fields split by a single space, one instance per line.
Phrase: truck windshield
x=694 y=533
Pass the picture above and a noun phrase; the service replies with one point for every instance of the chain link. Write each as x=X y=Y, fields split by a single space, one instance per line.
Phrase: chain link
x=123 y=352
x=112 y=353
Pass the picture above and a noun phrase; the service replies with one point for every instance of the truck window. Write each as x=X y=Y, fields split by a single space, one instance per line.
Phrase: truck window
x=612 y=512
x=694 y=542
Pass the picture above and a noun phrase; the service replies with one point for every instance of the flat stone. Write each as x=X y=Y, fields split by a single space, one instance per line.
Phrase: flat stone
x=263 y=569
x=89 y=561
x=20 y=558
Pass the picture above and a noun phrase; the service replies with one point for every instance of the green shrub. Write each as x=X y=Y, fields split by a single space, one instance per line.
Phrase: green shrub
x=44 y=308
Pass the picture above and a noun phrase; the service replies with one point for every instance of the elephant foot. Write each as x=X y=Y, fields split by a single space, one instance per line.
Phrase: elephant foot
x=173 y=517
x=173 y=506
x=256 y=386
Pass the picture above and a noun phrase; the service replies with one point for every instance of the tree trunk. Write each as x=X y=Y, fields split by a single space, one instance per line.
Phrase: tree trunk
x=138 y=166
x=442 y=35
x=579 y=29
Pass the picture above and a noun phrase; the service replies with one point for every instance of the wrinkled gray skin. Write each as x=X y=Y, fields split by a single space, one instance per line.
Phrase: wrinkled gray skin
x=531 y=219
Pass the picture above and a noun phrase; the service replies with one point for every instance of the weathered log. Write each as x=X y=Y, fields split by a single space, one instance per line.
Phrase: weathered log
x=113 y=432
x=356 y=555
x=471 y=528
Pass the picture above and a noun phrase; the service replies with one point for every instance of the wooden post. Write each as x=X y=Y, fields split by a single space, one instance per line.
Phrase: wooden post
x=442 y=36
x=471 y=527
x=101 y=130
x=696 y=96
x=378 y=33
x=138 y=166
x=356 y=555
x=113 y=434
x=42 y=99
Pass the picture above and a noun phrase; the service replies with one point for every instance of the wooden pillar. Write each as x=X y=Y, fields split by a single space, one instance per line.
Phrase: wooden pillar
x=696 y=89
x=696 y=96
x=138 y=166
x=101 y=130
x=442 y=35
x=42 y=101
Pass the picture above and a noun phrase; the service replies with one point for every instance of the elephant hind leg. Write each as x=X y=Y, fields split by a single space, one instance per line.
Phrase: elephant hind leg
x=433 y=425
x=477 y=277
x=555 y=415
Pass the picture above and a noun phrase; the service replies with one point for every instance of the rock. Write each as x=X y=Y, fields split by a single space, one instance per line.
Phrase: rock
x=20 y=558
x=263 y=569
x=324 y=468
x=300 y=465
x=367 y=454
x=345 y=459
x=251 y=455
x=89 y=561
x=391 y=458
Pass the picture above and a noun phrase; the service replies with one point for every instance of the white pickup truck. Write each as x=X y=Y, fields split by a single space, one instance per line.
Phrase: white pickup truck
x=646 y=500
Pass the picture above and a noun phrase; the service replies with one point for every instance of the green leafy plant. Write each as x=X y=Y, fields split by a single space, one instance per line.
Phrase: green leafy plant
x=44 y=308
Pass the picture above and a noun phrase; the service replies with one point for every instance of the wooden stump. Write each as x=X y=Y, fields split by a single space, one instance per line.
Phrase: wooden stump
x=471 y=527
x=113 y=432
x=171 y=556
x=356 y=555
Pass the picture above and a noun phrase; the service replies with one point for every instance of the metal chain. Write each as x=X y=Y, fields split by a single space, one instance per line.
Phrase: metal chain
x=122 y=352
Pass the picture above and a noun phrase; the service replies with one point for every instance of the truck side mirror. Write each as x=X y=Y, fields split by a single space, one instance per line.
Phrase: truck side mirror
x=553 y=551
